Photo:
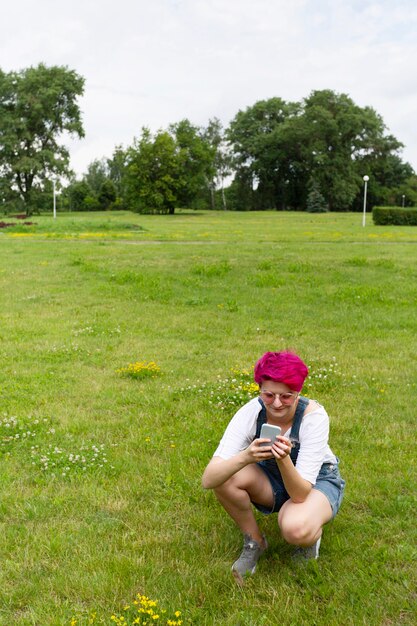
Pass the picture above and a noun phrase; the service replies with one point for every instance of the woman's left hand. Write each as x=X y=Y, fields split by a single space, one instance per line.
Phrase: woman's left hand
x=281 y=448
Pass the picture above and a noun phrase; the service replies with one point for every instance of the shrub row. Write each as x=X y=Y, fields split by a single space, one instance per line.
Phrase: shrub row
x=393 y=215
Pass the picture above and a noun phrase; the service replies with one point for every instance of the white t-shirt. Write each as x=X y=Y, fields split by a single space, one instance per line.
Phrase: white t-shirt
x=314 y=435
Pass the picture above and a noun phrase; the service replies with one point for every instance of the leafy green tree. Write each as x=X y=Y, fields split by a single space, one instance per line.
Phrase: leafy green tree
x=152 y=173
x=96 y=191
x=107 y=195
x=78 y=196
x=116 y=167
x=388 y=175
x=97 y=174
x=167 y=170
x=220 y=166
x=406 y=193
x=280 y=146
x=264 y=157
x=91 y=203
x=349 y=141
x=195 y=159
x=38 y=105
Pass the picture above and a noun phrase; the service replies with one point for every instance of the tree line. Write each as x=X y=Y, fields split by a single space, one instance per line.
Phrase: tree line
x=308 y=155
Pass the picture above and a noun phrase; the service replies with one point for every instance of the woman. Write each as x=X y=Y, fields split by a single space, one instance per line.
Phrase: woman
x=296 y=476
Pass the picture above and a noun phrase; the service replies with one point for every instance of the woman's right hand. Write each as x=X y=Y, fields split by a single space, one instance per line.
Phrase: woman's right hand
x=257 y=452
x=219 y=470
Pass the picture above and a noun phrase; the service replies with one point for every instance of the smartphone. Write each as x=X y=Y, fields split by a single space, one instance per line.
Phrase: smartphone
x=269 y=431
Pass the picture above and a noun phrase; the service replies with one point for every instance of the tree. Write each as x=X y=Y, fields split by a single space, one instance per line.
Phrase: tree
x=279 y=147
x=315 y=200
x=38 y=105
x=387 y=172
x=107 y=195
x=265 y=157
x=195 y=158
x=116 y=166
x=151 y=173
x=344 y=139
x=96 y=191
x=221 y=160
x=167 y=170
x=97 y=174
x=80 y=197
x=405 y=193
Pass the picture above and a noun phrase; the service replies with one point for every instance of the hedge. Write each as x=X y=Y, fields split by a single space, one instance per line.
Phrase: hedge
x=393 y=215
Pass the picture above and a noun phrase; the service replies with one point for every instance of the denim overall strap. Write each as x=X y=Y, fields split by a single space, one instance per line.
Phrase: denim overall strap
x=295 y=428
x=298 y=418
x=261 y=419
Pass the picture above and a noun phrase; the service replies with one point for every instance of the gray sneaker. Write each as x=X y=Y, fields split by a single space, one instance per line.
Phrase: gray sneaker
x=305 y=554
x=246 y=563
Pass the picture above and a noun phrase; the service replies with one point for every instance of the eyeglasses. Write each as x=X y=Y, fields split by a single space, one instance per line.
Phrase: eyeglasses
x=286 y=398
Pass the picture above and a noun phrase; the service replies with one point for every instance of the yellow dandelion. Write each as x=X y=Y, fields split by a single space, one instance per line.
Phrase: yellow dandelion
x=140 y=369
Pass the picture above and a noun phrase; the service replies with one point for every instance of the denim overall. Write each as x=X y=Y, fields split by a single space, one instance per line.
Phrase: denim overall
x=329 y=480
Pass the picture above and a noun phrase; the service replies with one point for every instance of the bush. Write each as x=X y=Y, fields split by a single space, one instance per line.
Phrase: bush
x=392 y=215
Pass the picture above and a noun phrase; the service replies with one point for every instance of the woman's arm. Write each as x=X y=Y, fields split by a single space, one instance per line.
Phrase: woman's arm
x=219 y=470
x=297 y=487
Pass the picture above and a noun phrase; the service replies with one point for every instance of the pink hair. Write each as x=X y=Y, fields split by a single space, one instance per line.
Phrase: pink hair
x=281 y=367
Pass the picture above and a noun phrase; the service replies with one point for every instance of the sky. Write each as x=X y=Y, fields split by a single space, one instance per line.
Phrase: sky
x=154 y=62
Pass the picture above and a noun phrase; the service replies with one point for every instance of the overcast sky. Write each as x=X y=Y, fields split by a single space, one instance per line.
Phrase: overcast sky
x=154 y=62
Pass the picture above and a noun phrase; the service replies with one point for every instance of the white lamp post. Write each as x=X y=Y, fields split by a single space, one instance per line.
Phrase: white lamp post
x=54 y=194
x=365 y=178
x=403 y=198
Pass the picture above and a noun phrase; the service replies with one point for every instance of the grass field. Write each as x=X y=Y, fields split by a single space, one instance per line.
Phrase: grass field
x=101 y=494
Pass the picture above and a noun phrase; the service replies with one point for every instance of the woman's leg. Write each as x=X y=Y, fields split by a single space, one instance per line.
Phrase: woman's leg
x=301 y=524
x=236 y=496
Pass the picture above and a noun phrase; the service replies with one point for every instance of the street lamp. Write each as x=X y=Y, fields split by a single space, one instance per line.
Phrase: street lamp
x=365 y=178
x=54 y=195
x=403 y=198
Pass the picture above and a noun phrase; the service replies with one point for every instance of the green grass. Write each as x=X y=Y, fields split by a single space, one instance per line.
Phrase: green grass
x=199 y=294
x=213 y=226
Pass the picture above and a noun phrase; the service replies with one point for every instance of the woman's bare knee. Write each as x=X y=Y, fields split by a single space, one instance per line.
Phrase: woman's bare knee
x=247 y=485
x=231 y=485
x=233 y=491
x=299 y=525
x=297 y=531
